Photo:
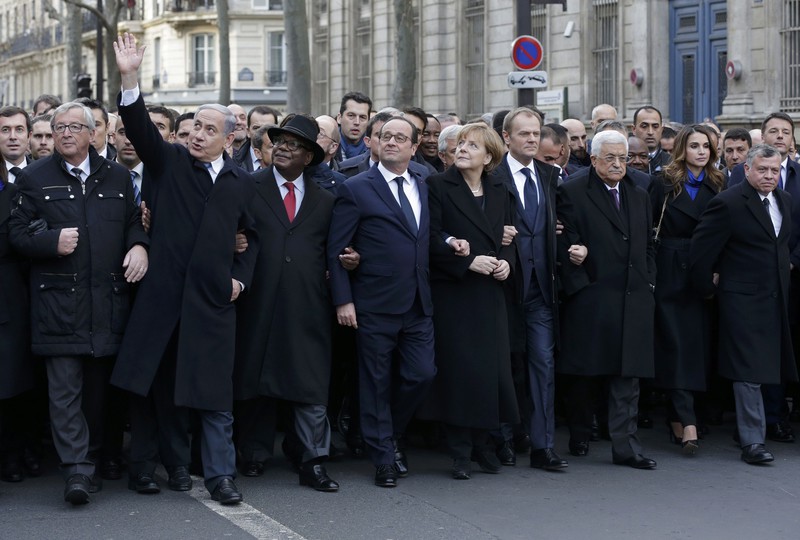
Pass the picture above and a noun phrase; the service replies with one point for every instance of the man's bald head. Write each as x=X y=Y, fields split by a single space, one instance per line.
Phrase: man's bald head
x=577 y=137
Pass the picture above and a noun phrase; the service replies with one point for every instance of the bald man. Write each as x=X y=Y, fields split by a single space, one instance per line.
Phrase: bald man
x=328 y=139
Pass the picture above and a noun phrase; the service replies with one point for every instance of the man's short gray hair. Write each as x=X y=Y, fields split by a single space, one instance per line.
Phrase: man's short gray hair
x=608 y=137
x=88 y=117
x=761 y=151
x=229 y=123
x=450 y=132
x=615 y=125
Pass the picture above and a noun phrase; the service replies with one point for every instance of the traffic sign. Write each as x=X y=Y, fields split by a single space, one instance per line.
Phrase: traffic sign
x=527 y=79
x=526 y=53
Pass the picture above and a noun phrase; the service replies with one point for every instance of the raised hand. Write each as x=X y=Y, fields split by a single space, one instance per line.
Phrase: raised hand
x=129 y=58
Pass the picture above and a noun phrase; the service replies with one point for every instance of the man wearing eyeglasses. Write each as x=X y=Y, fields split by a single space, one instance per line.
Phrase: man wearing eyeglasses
x=178 y=349
x=82 y=266
x=383 y=214
x=607 y=301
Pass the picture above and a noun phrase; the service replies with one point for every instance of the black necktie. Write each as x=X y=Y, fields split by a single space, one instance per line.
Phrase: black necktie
x=15 y=171
x=405 y=205
x=531 y=195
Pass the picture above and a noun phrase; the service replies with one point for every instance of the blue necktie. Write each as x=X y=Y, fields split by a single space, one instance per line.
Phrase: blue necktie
x=137 y=194
x=405 y=205
x=531 y=195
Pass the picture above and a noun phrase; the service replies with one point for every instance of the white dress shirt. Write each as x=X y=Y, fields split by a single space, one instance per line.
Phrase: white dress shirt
x=520 y=178
x=299 y=189
x=410 y=189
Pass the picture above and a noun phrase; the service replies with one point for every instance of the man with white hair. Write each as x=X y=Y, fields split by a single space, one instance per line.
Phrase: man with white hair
x=447 y=144
x=608 y=304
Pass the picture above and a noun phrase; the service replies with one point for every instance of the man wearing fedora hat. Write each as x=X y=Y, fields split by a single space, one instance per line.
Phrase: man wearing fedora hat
x=283 y=336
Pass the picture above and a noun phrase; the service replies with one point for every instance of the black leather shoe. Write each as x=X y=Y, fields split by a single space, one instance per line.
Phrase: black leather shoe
x=487 y=461
x=226 y=492
x=780 y=432
x=547 y=459
x=595 y=432
x=110 y=469
x=578 y=448
x=522 y=443
x=505 y=453
x=179 y=479
x=386 y=476
x=252 y=469
x=461 y=469
x=314 y=475
x=400 y=460
x=33 y=466
x=755 y=454
x=12 y=471
x=77 y=489
x=143 y=483
x=637 y=462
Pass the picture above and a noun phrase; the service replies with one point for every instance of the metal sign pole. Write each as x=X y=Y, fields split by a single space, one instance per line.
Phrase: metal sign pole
x=524 y=95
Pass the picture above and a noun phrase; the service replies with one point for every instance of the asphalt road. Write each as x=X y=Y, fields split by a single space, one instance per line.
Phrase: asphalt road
x=712 y=495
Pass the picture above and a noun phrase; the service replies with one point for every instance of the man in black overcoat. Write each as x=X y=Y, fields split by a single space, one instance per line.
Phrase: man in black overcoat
x=180 y=340
x=608 y=305
x=283 y=337
x=740 y=253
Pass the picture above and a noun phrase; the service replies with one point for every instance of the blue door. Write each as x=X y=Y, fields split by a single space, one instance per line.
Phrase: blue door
x=699 y=52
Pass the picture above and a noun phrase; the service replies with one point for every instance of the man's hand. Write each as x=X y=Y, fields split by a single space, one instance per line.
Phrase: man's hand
x=240 y=246
x=509 y=232
x=460 y=246
x=349 y=260
x=135 y=263
x=483 y=264
x=559 y=227
x=346 y=315
x=146 y=217
x=715 y=279
x=577 y=254
x=67 y=241
x=502 y=271
x=236 y=289
x=129 y=58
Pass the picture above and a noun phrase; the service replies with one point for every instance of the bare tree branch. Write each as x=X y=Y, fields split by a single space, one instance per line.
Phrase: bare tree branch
x=112 y=28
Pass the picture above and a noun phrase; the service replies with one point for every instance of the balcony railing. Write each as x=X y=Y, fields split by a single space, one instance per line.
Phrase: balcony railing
x=275 y=78
x=202 y=78
x=191 y=5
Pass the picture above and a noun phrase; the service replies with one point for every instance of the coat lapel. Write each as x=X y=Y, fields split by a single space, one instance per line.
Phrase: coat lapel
x=267 y=189
x=459 y=193
x=756 y=207
x=381 y=187
x=598 y=194
x=310 y=201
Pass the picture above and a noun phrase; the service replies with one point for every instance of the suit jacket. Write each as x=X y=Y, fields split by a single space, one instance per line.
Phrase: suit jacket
x=360 y=163
x=242 y=156
x=394 y=260
x=736 y=239
x=283 y=333
x=608 y=305
x=192 y=261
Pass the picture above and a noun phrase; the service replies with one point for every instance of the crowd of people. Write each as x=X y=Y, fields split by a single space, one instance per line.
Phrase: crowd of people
x=207 y=279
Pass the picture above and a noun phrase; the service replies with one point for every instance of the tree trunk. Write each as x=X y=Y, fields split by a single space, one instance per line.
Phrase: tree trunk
x=297 y=57
x=113 y=84
x=406 y=58
x=224 y=52
x=72 y=38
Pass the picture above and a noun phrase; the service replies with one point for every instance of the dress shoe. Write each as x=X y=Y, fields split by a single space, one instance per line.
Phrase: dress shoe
x=487 y=461
x=226 y=492
x=637 y=462
x=95 y=483
x=77 y=489
x=780 y=432
x=400 y=460
x=12 y=471
x=522 y=443
x=33 y=466
x=110 y=469
x=143 y=483
x=755 y=454
x=253 y=468
x=547 y=459
x=179 y=479
x=578 y=448
x=505 y=453
x=386 y=476
x=595 y=430
x=315 y=476
x=461 y=468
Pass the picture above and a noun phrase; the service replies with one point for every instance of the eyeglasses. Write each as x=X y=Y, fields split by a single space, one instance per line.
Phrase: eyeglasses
x=291 y=144
x=74 y=128
x=611 y=159
x=398 y=137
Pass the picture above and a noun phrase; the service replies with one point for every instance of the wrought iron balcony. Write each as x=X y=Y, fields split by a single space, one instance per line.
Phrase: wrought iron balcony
x=202 y=78
x=275 y=78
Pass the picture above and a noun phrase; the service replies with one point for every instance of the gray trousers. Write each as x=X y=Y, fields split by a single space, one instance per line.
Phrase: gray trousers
x=623 y=411
x=750 y=418
x=311 y=437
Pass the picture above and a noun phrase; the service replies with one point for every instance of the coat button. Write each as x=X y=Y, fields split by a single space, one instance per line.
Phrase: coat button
x=72 y=196
x=288 y=259
x=291 y=233
x=774 y=295
x=628 y=293
x=100 y=195
x=47 y=197
x=683 y=266
x=625 y=238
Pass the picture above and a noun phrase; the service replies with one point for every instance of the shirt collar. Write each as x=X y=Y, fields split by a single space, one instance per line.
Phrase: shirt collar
x=516 y=166
x=389 y=176
x=299 y=182
x=84 y=167
x=218 y=163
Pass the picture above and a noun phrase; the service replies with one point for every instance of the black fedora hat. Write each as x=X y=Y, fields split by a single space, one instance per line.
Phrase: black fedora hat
x=304 y=128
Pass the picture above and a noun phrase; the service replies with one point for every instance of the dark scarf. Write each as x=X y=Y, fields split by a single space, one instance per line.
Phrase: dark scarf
x=351 y=150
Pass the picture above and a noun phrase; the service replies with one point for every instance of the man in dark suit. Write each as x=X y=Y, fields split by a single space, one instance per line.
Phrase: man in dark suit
x=283 y=337
x=532 y=184
x=80 y=274
x=15 y=133
x=246 y=156
x=608 y=304
x=648 y=125
x=735 y=145
x=180 y=339
x=777 y=130
x=740 y=253
x=383 y=213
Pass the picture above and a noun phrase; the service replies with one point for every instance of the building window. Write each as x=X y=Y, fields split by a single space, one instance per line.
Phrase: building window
x=276 y=53
x=320 y=66
x=203 y=64
x=362 y=59
x=606 y=47
x=790 y=34
x=474 y=67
